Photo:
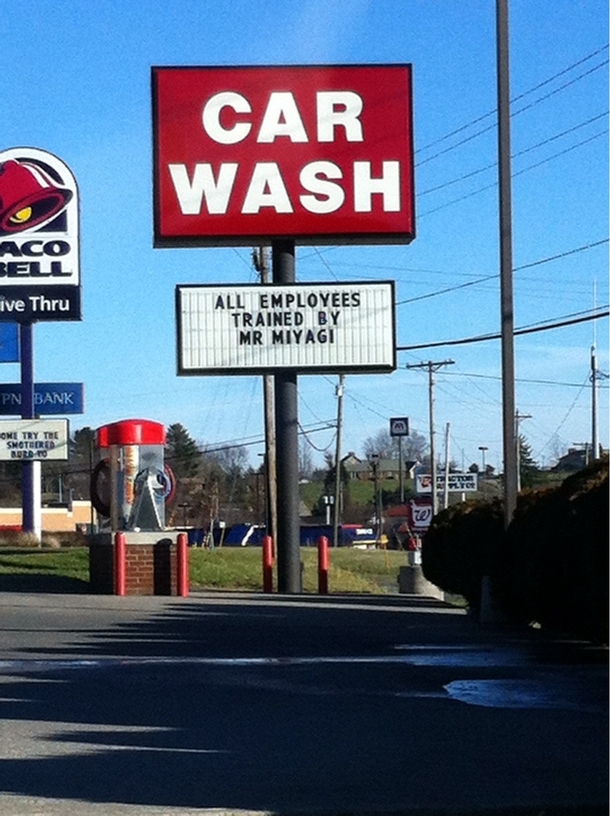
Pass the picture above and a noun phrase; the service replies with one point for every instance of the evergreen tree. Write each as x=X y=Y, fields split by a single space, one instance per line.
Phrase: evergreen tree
x=528 y=468
x=181 y=452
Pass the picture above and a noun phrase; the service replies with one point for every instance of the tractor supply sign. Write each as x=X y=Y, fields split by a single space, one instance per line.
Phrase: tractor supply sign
x=457 y=482
x=33 y=439
x=310 y=328
x=317 y=154
x=39 y=240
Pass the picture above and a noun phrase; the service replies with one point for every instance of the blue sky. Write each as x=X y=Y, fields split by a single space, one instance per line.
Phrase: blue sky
x=76 y=82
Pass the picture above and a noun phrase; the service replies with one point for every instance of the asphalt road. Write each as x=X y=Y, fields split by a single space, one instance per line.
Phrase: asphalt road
x=292 y=704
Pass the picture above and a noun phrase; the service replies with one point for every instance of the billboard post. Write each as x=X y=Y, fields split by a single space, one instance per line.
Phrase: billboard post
x=287 y=445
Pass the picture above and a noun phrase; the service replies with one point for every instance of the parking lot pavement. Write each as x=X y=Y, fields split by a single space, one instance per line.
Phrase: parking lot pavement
x=242 y=703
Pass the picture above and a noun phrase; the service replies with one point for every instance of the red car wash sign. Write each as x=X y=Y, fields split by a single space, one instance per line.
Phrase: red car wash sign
x=318 y=154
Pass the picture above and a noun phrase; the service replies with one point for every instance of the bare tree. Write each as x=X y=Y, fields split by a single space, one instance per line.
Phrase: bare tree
x=387 y=447
x=306 y=467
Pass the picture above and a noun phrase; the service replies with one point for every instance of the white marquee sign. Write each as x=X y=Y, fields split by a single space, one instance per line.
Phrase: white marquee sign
x=265 y=328
x=28 y=440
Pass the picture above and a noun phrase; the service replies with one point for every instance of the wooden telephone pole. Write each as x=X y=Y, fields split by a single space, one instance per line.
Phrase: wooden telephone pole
x=432 y=367
x=260 y=260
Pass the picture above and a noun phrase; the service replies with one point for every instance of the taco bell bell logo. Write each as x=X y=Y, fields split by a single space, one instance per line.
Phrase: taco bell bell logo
x=39 y=237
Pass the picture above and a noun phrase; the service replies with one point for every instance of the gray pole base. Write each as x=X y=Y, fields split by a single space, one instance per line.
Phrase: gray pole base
x=411 y=581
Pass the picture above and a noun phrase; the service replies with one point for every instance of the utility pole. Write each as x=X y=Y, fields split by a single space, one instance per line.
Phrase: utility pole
x=488 y=611
x=337 y=513
x=506 y=263
x=518 y=418
x=483 y=448
x=446 y=481
x=594 y=442
x=401 y=472
x=432 y=368
x=260 y=259
x=596 y=375
x=374 y=462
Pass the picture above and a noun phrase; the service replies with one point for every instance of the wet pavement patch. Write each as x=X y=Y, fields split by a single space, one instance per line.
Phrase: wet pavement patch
x=510 y=694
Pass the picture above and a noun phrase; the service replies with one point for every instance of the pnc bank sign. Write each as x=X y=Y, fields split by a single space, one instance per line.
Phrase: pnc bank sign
x=318 y=154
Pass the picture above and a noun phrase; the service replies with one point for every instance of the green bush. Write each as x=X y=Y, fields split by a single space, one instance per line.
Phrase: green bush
x=549 y=566
x=552 y=566
x=458 y=548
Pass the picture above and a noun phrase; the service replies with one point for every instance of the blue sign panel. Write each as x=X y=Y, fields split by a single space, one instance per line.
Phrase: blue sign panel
x=49 y=399
x=9 y=343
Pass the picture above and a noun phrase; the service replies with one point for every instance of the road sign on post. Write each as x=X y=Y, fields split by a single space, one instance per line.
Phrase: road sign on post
x=39 y=268
x=457 y=482
x=268 y=155
x=399 y=426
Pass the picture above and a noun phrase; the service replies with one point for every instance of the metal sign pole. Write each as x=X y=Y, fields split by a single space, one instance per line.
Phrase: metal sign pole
x=29 y=472
x=287 y=446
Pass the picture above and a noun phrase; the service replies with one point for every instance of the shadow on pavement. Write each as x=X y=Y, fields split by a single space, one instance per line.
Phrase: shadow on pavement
x=207 y=704
x=56 y=584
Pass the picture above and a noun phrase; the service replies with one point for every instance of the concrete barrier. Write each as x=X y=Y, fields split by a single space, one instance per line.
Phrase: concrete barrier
x=411 y=581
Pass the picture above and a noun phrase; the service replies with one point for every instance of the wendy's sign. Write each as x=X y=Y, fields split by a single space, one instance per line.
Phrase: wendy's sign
x=318 y=154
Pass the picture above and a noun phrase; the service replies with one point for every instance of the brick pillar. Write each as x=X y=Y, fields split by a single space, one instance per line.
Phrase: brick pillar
x=150 y=564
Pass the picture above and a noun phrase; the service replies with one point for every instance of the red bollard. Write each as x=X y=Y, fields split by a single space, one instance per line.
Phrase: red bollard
x=120 y=564
x=182 y=565
x=323 y=564
x=267 y=564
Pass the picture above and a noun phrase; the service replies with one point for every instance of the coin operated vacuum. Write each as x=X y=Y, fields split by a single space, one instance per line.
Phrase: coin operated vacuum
x=130 y=485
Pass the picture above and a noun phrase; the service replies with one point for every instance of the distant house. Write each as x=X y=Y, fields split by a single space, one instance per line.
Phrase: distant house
x=386 y=468
x=574 y=459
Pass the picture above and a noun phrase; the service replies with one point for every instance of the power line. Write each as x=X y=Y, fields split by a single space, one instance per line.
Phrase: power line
x=305 y=434
x=513 y=113
x=495 y=275
x=221 y=446
x=562 y=255
x=514 y=175
x=493 y=165
x=517 y=379
x=484 y=337
x=516 y=98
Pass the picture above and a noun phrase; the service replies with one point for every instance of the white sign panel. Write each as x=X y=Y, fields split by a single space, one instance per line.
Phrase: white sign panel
x=399 y=426
x=33 y=439
x=458 y=482
x=307 y=328
x=39 y=237
x=421 y=515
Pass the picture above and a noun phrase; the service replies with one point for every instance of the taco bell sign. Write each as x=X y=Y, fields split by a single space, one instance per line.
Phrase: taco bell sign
x=318 y=154
x=39 y=238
